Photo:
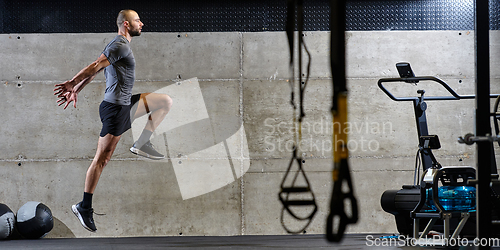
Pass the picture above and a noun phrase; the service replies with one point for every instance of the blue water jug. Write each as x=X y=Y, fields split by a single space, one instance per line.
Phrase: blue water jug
x=453 y=198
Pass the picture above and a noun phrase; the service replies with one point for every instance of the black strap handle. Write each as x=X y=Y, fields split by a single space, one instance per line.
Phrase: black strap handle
x=290 y=203
x=338 y=219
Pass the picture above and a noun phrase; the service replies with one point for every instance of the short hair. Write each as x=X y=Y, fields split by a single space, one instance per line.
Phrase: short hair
x=122 y=17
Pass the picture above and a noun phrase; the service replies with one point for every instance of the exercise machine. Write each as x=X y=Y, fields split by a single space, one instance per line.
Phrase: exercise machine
x=444 y=198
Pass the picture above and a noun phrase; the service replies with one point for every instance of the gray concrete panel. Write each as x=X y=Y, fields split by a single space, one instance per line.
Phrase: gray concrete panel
x=38 y=118
x=267 y=112
x=138 y=198
x=264 y=217
x=204 y=55
x=443 y=53
x=41 y=57
x=269 y=58
x=159 y=56
x=369 y=54
x=35 y=127
x=266 y=58
x=495 y=54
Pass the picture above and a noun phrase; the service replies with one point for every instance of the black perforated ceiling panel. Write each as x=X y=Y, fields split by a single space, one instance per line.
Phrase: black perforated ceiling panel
x=411 y=15
x=34 y=16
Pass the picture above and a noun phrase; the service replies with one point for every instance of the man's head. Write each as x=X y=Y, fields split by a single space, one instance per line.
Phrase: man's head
x=129 y=21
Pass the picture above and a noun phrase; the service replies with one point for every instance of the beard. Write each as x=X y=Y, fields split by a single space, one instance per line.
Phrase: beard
x=136 y=32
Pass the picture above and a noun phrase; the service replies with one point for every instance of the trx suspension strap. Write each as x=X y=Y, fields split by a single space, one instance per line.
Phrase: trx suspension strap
x=342 y=193
x=296 y=195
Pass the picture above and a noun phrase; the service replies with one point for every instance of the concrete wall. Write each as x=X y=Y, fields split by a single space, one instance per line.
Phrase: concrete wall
x=229 y=134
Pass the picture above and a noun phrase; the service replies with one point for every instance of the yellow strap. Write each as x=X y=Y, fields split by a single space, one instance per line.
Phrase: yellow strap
x=340 y=150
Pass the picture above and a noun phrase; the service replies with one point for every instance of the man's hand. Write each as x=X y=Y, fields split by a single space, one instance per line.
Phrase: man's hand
x=66 y=93
x=68 y=90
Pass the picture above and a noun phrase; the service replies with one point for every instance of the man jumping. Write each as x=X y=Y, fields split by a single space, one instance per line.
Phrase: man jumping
x=118 y=109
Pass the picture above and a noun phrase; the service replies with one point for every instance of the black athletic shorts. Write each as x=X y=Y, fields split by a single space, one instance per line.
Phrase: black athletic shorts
x=116 y=119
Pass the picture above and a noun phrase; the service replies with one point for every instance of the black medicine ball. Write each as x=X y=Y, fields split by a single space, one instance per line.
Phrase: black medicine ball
x=34 y=220
x=7 y=221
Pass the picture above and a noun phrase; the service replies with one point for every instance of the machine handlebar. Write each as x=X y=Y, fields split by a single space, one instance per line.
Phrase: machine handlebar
x=454 y=95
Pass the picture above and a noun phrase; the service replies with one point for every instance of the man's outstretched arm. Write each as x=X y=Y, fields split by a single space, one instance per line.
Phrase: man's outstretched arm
x=68 y=91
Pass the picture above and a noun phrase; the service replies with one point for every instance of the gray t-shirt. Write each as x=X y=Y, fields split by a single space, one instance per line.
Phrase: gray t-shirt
x=120 y=75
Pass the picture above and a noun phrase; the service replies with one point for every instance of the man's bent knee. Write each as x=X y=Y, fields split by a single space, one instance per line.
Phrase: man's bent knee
x=168 y=101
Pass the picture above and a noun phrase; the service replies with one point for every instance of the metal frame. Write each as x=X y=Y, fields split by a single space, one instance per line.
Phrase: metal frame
x=482 y=124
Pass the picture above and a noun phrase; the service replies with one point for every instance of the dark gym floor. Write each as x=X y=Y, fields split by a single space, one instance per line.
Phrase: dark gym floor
x=350 y=241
